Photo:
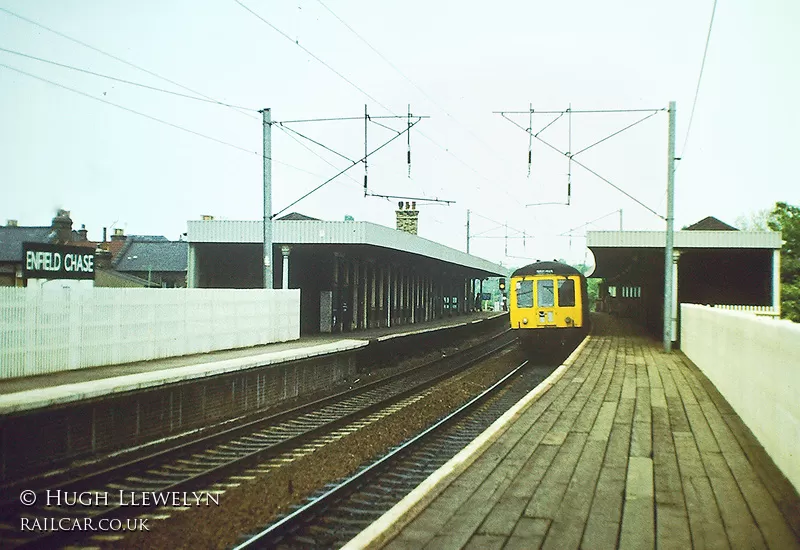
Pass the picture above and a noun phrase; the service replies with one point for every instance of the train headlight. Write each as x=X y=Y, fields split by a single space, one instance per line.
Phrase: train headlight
x=568 y=320
x=524 y=320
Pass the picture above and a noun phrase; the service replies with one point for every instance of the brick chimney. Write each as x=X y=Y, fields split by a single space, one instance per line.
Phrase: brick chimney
x=83 y=235
x=407 y=217
x=12 y=223
x=62 y=228
x=119 y=234
x=102 y=257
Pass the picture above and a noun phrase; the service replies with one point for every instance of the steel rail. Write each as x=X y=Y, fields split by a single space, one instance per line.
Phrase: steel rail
x=348 y=484
x=191 y=481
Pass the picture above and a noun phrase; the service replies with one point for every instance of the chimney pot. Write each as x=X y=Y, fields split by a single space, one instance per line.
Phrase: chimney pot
x=62 y=227
x=12 y=223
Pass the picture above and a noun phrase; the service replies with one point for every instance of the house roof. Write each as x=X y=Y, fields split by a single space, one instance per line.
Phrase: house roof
x=710 y=223
x=152 y=238
x=85 y=244
x=152 y=255
x=297 y=216
x=11 y=239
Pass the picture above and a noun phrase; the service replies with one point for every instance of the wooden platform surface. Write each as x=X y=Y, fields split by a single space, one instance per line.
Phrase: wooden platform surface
x=631 y=448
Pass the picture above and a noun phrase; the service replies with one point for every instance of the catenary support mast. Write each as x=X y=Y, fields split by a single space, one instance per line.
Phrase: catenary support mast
x=267 y=121
x=669 y=297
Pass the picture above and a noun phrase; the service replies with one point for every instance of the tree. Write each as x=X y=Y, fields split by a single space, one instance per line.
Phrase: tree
x=592 y=285
x=755 y=221
x=786 y=219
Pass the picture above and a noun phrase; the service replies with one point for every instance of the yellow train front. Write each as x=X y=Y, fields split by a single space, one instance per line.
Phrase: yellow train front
x=548 y=306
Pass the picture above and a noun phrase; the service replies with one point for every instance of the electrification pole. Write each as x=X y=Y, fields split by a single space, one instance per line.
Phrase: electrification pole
x=467 y=231
x=668 y=273
x=267 y=121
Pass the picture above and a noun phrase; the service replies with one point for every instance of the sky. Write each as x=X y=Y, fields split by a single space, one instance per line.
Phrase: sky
x=120 y=155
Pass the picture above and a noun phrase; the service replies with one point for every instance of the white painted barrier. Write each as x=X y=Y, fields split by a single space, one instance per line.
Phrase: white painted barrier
x=61 y=329
x=766 y=311
x=755 y=364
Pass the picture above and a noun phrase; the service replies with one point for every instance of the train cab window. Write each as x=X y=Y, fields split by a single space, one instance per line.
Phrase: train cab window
x=545 y=293
x=566 y=293
x=524 y=293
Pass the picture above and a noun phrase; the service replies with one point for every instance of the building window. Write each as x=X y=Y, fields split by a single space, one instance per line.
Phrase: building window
x=631 y=292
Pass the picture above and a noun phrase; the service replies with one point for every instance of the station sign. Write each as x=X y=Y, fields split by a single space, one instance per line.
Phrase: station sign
x=57 y=261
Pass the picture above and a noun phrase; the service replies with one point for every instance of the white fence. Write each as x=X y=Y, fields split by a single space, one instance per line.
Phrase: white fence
x=61 y=329
x=755 y=363
x=765 y=311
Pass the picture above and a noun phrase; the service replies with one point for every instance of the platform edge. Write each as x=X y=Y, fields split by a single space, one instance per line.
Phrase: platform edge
x=401 y=514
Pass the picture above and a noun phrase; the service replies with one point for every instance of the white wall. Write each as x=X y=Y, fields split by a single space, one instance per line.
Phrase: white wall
x=755 y=363
x=57 y=329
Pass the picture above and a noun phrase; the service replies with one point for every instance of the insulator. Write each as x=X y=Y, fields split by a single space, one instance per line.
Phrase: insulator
x=365 y=182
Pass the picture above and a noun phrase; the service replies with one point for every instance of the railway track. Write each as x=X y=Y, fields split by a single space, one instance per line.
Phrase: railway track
x=332 y=517
x=209 y=465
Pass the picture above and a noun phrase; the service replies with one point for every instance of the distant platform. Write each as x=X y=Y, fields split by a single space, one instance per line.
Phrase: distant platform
x=37 y=392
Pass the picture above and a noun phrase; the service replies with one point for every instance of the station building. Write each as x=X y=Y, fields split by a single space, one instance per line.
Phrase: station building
x=352 y=275
x=713 y=264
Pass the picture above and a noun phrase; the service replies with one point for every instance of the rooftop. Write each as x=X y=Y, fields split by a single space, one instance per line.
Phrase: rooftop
x=152 y=255
x=335 y=232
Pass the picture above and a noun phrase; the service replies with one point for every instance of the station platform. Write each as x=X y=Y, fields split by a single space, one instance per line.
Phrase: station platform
x=38 y=392
x=623 y=446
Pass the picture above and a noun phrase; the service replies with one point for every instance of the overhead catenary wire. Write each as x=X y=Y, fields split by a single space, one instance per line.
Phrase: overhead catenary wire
x=615 y=133
x=604 y=216
x=150 y=117
x=360 y=89
x=367 y=119
x=287 y=129
x=309 y=52
x=354 y=163
x=570 y=156
x=118 y=106
x=310 y=150
x=580 y=111
x=499 y=225
x=121 y=60
x=609 y=182
x=129 y=82
x=406 y=77
x=699 y=80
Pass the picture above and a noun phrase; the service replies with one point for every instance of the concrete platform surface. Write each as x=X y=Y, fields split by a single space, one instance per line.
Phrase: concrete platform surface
x=629 y=448
x=22 y=394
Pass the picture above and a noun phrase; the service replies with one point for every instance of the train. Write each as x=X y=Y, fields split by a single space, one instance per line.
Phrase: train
x=548 y=306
